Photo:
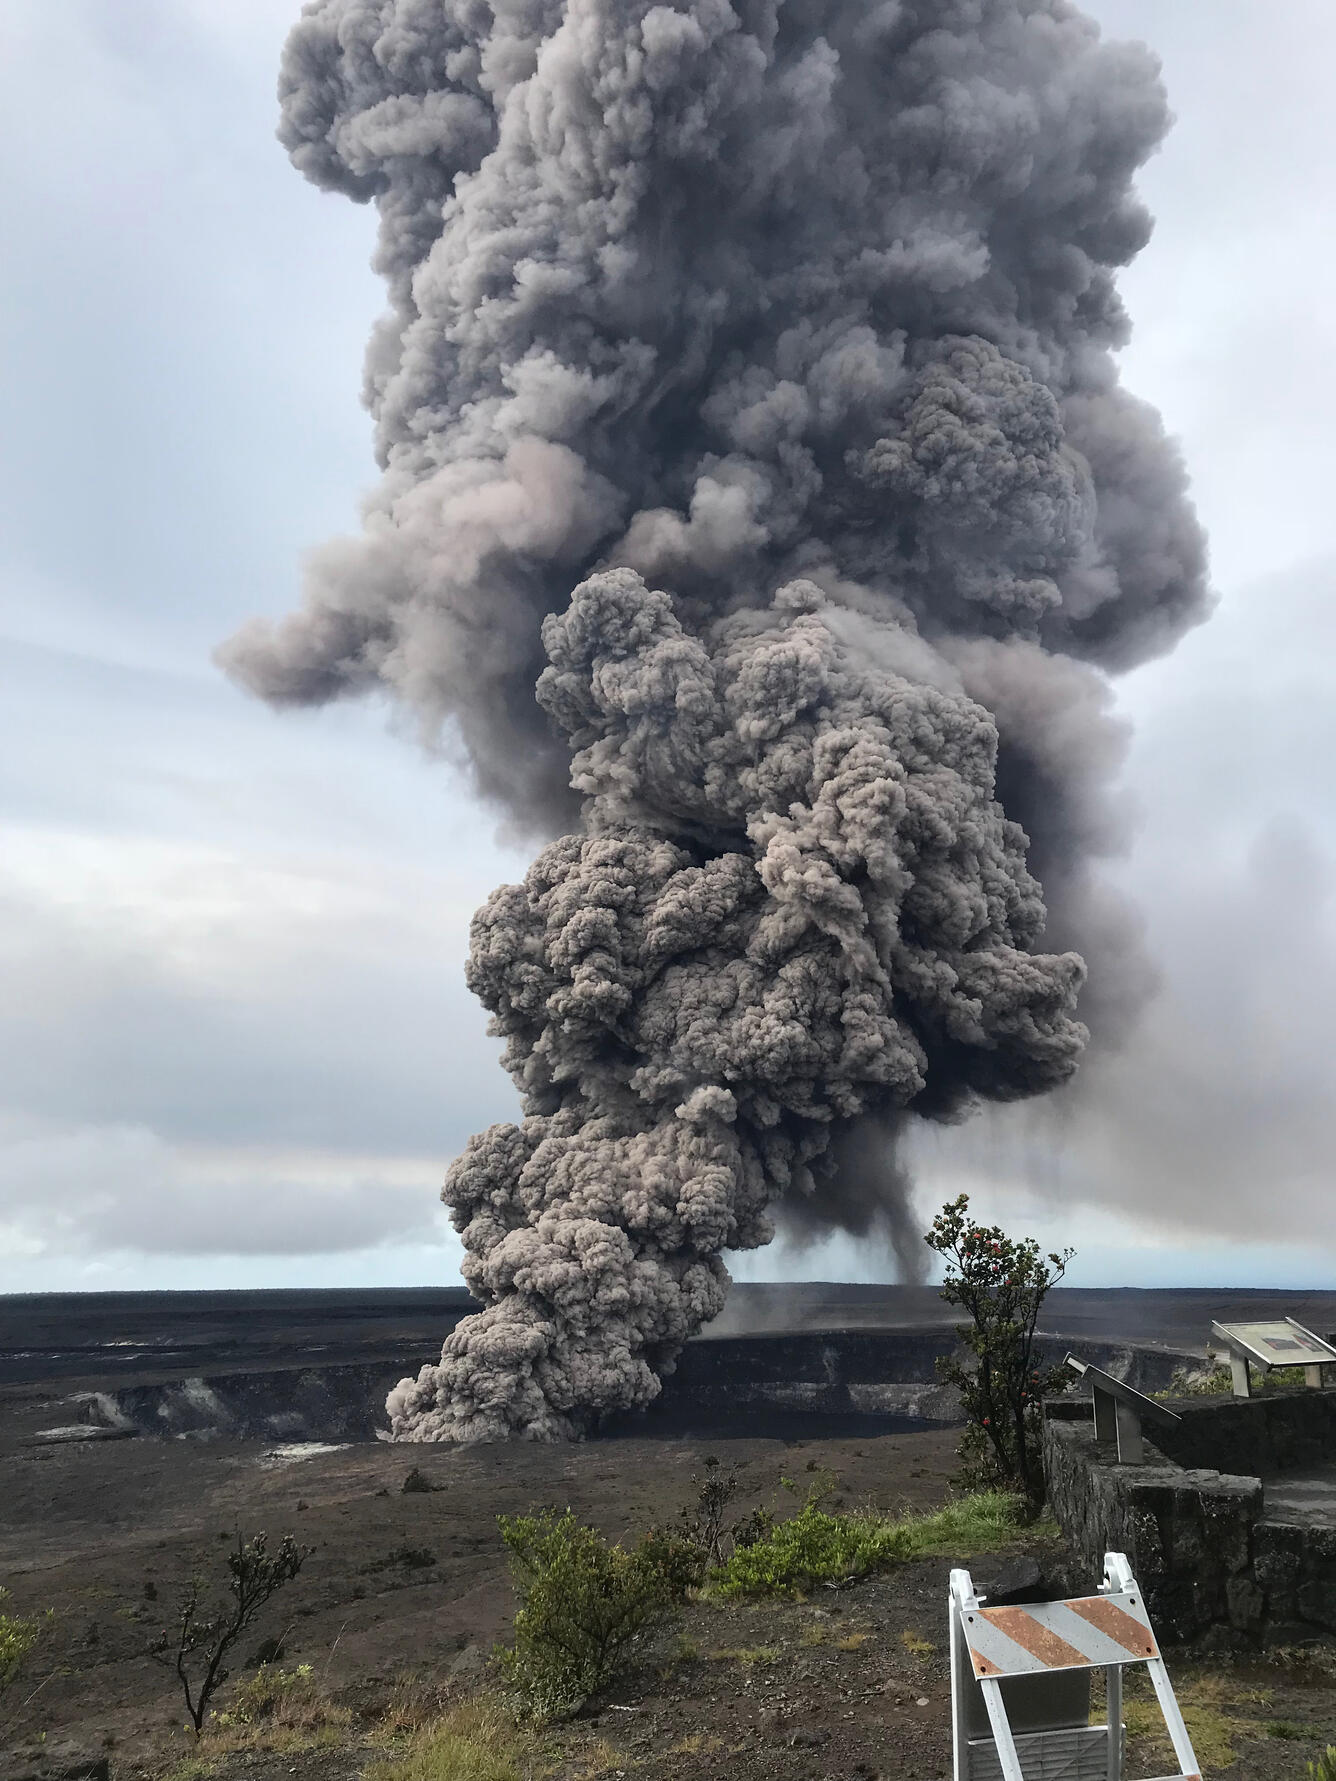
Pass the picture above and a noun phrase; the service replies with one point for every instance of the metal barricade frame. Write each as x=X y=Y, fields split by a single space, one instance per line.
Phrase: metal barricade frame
x=1029 y=1666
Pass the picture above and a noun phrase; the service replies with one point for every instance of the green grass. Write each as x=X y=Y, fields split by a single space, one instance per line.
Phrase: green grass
x=19 y=1637
x=816 y=1547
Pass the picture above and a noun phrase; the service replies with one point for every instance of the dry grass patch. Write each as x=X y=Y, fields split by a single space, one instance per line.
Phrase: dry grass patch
x=1209 y=1706
x=415 y=1703
x=697 y=1744
x=747 y=1655
x=595 y=1757
x=473 y=1741
x=276 y=1709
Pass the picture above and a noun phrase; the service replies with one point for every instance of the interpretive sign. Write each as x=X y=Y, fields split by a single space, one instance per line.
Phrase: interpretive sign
x=1119 y=1408
x=1281 y=1343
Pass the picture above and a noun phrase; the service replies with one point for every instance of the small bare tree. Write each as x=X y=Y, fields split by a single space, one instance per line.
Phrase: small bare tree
x=208 y=1625
x=703 y=1521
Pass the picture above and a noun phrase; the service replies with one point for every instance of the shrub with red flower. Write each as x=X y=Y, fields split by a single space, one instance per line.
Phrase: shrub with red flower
x=1002 y=1285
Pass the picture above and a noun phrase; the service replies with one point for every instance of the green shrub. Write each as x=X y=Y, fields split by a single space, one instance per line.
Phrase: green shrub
x=1284 y=1376
x=1218 y=1381
x=1186 y=1382
x=704 y=1535
x=585 y=1605
x=270 y=1693
x=814 y=1547
x=679 y=1561
x=1324 y=1769
x=706 y=1523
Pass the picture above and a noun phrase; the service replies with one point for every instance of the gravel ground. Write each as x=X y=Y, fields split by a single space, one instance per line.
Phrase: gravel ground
x=854 y=1685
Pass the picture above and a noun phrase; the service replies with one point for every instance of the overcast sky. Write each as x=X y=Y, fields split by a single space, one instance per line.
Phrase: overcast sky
x=235 y=1044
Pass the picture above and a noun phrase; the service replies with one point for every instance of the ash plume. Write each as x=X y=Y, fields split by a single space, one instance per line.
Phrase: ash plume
x=782 y=332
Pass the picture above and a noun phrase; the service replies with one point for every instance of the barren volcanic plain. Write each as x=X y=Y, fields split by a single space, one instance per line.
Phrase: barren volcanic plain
x=103 y=1524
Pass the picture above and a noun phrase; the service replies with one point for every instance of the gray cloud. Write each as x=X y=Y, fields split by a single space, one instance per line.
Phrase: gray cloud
x=94 y=1192
x=802 y=298
x=201 y=1034
x=1219 y=1114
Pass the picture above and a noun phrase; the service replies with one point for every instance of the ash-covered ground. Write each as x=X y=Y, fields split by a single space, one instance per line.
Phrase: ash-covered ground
x=104 y=1531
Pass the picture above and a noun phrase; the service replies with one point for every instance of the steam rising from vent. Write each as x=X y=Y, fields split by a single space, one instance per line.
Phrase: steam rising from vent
x=784 y=330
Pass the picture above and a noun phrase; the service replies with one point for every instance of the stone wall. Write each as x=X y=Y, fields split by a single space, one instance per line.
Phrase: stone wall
x=1281 y=1431
x=1211 y=1561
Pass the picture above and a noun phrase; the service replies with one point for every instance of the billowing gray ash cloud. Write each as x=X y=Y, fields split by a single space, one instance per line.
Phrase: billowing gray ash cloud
x=782 y=333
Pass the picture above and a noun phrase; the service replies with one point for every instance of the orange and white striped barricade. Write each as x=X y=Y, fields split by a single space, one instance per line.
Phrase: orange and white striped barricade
x=1020 y=1683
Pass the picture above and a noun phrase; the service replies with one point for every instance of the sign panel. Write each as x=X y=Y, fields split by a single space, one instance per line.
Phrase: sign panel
x=1281 y=1343
x=1100 y=1381
x=1093 y=1630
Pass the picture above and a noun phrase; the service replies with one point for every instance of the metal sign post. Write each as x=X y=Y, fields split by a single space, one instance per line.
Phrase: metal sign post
x=1119 y=1409
x=1281 y=1344
x=1020 y=1683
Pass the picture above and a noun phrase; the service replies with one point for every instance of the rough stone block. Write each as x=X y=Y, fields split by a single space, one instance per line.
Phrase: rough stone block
x=1247 y=1604
x=1227 y=1519
x=1277 y=1559
x=1316 y=1602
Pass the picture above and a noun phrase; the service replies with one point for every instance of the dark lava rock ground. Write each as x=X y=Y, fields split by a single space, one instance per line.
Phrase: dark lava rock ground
x=105 y=1532
x=852 y=1685
x=410 y=1590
